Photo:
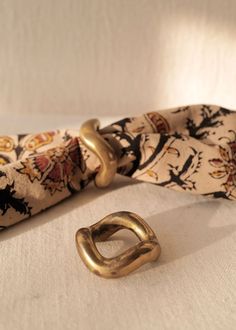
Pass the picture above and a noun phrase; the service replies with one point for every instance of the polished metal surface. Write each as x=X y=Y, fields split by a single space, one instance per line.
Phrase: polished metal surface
x=90 y=136
x=148 y=249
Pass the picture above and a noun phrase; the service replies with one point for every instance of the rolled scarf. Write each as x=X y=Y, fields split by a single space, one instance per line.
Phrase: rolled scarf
x=190 y=149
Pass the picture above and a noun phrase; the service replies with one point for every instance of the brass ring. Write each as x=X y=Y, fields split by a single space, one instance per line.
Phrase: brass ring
x=148 y=249
x=95 y=142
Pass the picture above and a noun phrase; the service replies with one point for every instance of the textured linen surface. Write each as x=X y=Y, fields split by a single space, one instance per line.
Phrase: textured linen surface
x=191 y=148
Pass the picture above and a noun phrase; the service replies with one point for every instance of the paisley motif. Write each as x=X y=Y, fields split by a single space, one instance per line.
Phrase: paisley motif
x=187 y=149
x=54 y=168
x=6 y=144
x=37 y=141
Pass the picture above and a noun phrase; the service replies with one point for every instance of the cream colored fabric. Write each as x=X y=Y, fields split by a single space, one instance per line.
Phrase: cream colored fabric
x=44 y=285
x=190 y=149
x=108 y=57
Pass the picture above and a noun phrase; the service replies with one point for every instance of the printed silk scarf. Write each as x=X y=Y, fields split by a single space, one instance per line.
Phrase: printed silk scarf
x=190 y=149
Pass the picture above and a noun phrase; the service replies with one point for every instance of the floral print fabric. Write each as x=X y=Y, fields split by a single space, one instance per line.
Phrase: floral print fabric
x=191 y=149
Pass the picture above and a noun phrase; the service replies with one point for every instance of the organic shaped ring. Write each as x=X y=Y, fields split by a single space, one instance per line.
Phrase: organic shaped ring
x=90 y=136
x=148 y=249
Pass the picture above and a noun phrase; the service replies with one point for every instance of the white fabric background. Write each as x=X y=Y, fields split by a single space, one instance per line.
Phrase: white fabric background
x=64 y=60
x=115 y=56
x=45 y=286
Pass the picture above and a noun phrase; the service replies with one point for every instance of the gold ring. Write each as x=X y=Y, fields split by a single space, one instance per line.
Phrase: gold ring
x=90 y=136
x=148 y=249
